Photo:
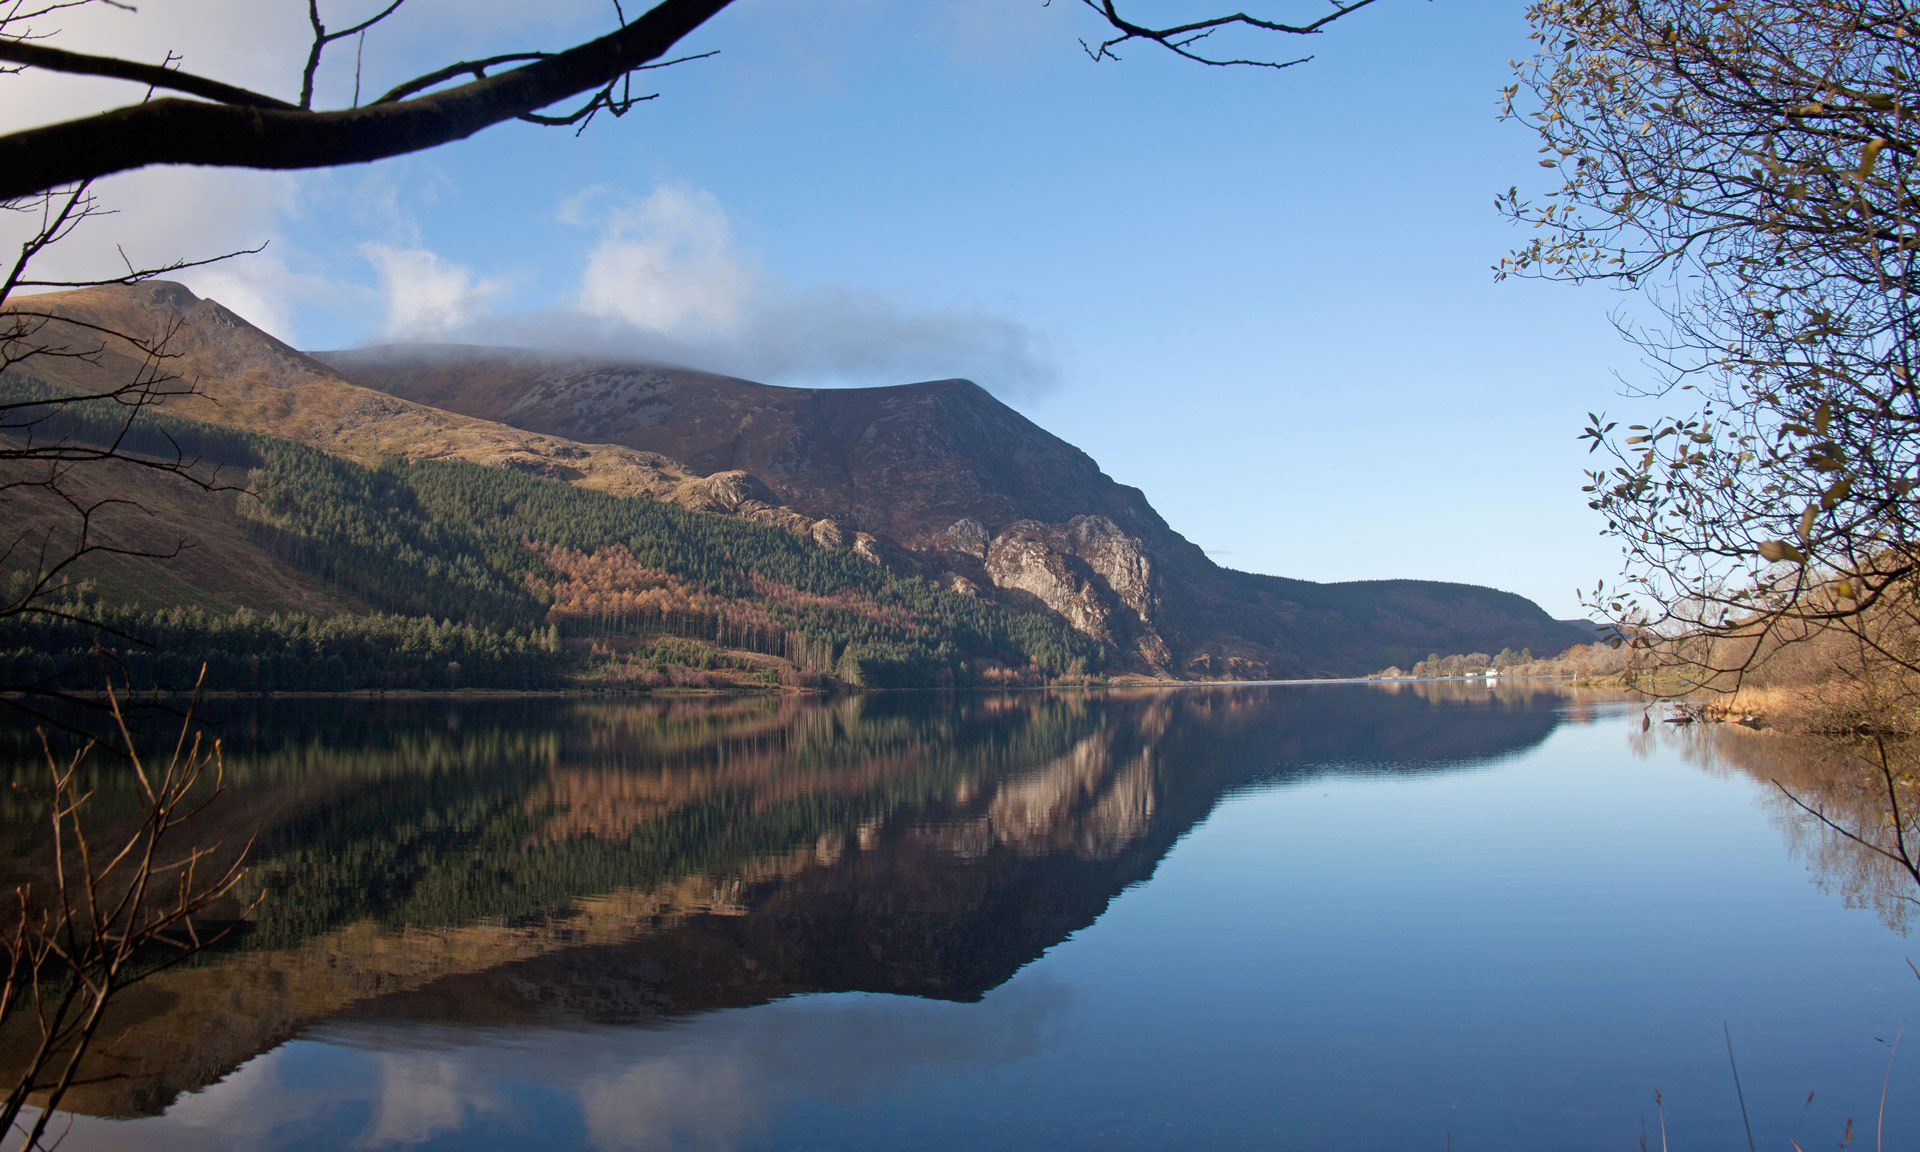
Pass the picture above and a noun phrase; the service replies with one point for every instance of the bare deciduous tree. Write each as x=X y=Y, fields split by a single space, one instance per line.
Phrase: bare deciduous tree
x=108 y=915
x=48 y=436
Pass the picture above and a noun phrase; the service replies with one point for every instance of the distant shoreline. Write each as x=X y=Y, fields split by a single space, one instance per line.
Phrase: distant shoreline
x=683 y=693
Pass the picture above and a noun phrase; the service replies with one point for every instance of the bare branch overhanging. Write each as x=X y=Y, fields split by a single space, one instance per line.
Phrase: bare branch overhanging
x=172 y=130
x=226 y=125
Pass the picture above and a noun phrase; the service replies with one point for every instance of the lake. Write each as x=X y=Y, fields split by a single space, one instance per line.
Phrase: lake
x=1319 y=916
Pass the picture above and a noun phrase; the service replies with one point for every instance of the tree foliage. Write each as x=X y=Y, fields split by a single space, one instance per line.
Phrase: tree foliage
x=1749 y=168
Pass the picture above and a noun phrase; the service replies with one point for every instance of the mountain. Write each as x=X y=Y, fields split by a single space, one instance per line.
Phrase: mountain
x=352 y=540
x=949 y=482
x=889 y=535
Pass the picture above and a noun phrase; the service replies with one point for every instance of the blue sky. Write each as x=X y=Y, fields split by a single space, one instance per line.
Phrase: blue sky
x=1263 y=297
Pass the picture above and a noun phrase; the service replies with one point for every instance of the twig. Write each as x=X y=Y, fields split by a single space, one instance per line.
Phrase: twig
x=1738 y=1091
x=1880 y=1127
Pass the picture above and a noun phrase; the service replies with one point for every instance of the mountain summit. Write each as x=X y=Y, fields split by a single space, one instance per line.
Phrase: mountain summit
x=905 y=462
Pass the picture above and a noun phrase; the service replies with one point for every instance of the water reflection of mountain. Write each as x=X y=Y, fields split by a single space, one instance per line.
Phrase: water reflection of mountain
x=547 y=862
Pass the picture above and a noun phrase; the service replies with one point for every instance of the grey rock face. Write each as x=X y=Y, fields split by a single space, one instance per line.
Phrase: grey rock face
x=968 y=536
x=1117 y=558
x=827 y=534
x=729 y=490
x=1090 y=572
x=1024 y=558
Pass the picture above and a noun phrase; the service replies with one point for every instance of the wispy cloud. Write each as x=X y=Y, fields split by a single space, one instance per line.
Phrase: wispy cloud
x=664 y=280
x=666 y=265
x=428 y=296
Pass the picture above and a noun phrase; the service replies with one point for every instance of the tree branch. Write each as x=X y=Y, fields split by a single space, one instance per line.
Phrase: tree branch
x=78 y=63
x=474 y=68
x=322 y=38
x=1180 y=38
x=176 y=131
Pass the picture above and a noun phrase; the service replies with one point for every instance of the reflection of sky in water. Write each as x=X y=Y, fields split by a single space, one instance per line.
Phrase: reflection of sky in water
x=707 y=1082
x=1516 y=957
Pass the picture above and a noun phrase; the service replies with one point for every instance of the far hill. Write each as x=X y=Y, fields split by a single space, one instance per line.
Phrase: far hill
x=958 y=486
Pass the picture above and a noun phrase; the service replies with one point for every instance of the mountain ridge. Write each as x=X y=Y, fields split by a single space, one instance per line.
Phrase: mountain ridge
x=953 y=483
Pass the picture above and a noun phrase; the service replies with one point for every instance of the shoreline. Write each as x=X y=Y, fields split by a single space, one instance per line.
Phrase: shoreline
x=586 y=692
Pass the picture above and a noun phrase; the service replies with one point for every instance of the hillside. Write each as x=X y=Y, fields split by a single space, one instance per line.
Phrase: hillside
x=963 y=489
x=444 y=573
x=977 y=524
x=241 y=377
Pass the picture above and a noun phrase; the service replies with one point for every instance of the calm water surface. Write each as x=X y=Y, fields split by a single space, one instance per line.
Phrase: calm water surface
x=1297 y=917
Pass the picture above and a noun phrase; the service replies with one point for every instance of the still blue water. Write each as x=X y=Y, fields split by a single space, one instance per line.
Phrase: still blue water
x=1295 y=917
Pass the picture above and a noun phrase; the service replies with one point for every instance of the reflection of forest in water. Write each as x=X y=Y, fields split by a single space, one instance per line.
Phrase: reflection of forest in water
x=1838 y=777
x=543 y=861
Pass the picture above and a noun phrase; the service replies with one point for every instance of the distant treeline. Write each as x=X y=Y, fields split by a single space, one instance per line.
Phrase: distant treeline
x=1471 y=663
x=1580 y=661
x=451 y=558
x=279 y=652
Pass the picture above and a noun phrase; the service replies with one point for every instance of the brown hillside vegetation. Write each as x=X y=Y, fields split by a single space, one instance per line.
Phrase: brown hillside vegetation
x=1582 y=663
x=1817 y=786
x=243 y=378
x=180 y=545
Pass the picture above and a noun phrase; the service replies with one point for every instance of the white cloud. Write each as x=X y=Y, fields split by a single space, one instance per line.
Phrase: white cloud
x=157 y=216
x=706 y=1101
x=153 y=218
x=427 y=295
x=665 y=281
x=664 y=278
x=255 y=289
x=667 y=265
x=710 y=1080
x=422 y=1096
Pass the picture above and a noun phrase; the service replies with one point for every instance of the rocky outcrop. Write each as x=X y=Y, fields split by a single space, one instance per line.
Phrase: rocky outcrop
x=742 y=494
x=1089 y=571
x=1118 y=559
x=967 y=537
x=729 y=491
x=1023 y=559
x=827 y=534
